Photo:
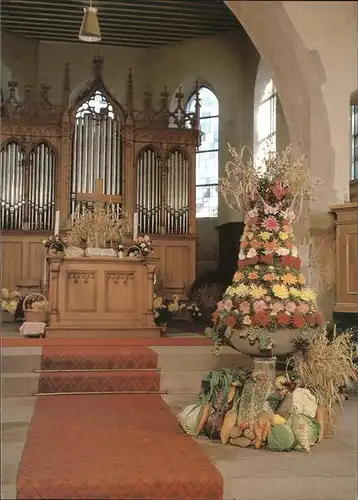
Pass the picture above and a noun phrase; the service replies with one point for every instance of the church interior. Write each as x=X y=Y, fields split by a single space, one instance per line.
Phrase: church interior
x=117 y=123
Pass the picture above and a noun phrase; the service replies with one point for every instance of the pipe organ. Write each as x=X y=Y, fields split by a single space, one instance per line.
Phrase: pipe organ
x=54 y=157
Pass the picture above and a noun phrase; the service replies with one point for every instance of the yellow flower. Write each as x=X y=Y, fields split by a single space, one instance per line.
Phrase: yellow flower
x=257 y=292
x=240 y=290
x=249 y=236
x=283 y=236
x=301 y=279
x=308 y=295
x=175 y=298
x=280 y=291
x=265 y=235
x=294 y=292
x=173 y=307
x=157 y=302
x=289 y=279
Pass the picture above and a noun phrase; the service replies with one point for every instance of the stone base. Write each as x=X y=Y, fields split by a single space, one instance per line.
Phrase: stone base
x=284 y=343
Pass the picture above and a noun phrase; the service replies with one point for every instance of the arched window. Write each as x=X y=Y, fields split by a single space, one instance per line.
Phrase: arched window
x=207 y=158
x=96 y=149
x=265 y=121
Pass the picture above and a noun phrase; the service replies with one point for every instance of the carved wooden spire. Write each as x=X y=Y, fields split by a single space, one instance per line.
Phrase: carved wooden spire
x=129 y=96
x=97 y=67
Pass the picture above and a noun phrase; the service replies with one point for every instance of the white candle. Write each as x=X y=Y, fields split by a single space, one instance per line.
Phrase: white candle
x=57 y=222
x=45 y=271
x=135 y=226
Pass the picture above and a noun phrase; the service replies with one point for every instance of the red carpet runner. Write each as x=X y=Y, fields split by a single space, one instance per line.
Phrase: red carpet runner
x=120 y=447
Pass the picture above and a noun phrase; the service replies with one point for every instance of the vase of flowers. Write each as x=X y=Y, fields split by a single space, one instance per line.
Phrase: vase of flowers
x=268 y=304
x=54 y=245
x=141 y=248
x=165 y=309
x=9 y=302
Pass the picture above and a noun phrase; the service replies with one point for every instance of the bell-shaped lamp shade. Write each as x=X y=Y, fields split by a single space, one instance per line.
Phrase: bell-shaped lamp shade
x=89 y=31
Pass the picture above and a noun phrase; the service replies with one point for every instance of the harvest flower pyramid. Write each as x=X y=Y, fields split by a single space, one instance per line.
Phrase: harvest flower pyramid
x=268 y=291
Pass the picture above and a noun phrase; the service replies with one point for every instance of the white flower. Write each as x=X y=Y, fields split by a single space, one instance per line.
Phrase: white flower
x=253 y=212
x=282 y=251
x=271 y=210
x=251 y=253
x=199 y=314
x=242 y=256
x=294 y=252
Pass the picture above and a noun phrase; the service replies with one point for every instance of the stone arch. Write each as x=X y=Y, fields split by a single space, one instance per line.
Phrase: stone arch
x=298 y=75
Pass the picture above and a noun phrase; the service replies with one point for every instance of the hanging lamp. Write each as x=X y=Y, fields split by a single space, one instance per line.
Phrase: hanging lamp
x=89 y=31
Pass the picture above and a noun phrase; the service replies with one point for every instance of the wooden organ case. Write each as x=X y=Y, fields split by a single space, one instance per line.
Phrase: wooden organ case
x=52 y=157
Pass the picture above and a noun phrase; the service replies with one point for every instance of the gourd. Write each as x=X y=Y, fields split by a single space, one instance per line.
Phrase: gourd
x=285 y=407
x=241 y=441
x=228 y=424
x=235 y=432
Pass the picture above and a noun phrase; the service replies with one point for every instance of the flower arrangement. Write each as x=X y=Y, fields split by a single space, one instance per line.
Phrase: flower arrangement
x=164 y=309
x=40 y=305
x=9 y=300
x=97 y=228
x=55 y=244
x=142 y=247
x=193 y=310
x=268 y=291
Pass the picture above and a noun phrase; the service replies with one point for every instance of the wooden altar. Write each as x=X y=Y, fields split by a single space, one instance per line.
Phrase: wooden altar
x=53 y=155
x=101 y=297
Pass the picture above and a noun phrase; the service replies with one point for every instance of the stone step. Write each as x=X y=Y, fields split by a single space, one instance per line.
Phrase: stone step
x=19 y=384
x=20 y=359
x=199 y=357
x=109 y=381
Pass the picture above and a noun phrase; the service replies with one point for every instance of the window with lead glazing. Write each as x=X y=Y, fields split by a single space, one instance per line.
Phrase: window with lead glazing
x=354 y=136
x=96 y=149
x=207 y=157
x=265 y=121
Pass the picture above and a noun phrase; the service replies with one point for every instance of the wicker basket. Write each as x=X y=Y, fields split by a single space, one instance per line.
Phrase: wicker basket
x=32 y=315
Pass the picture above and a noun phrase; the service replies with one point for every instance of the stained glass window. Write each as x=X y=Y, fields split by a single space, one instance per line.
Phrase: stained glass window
x=354 y=133
x=266 y=122
x=97 y=105
x=207 y=157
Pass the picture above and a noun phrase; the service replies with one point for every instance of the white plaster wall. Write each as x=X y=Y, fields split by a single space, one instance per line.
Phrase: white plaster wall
x=331 y=29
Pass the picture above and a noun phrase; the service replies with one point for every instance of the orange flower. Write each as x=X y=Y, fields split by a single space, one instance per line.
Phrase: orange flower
x=269 y=277
x=261 y=318
x=270 y=245
x=298 y=321
x=238 y=276
x=253 y=275
x=243 y=244
x=256 y=244
x=289 y=244
x=283 y=318
x=215 y=316
x=301 y=279
x=266 y=259
x=289 y=279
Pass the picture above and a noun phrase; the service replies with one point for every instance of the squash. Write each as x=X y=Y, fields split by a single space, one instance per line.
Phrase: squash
x=241 y=441
x=249 y=434
x=278 y=420
x=229 y=422
x=258 y=435
x=285 y=406
x=235 y=432
x=266 y=431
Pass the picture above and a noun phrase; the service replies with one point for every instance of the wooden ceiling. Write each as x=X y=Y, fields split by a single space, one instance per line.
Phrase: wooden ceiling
x=127 y=23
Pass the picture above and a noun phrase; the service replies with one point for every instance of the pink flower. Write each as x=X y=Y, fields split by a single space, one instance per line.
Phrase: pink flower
x=259 y=305
x=227 y=304
x=277 y=306
x=278 y=190
x=220 y=306
x=290 y=307
x=270 y=223
x=303 y=308
x=245 y=307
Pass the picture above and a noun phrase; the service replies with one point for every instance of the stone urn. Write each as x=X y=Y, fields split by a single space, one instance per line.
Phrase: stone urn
x=284 y=342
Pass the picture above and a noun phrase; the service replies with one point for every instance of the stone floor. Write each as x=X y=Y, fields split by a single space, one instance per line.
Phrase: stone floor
x=329 y=472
